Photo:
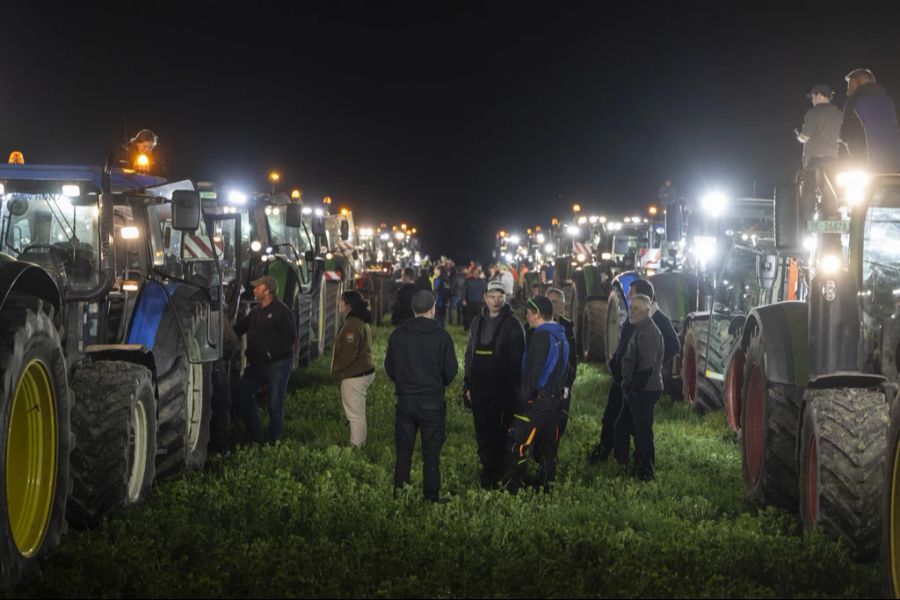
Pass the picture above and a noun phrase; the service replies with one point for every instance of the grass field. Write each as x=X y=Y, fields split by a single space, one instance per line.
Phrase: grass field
x=313 y=517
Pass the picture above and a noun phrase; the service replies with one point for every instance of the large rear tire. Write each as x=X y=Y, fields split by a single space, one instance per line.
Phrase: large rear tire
x=842 y=465
x=770 y=424
x=35 y=435
x=333 y=290
x=704 y=394
x=184 y=411
x=890 y=539
x=114 y=420
x=594 y=342
x=616 y=313
x=734 y=389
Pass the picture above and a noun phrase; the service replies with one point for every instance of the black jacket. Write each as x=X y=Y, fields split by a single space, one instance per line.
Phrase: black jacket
x=509 y=350
x=870 y=129
x=270 y=333
x=420 y=359
x=402 y=311
x=572 y=368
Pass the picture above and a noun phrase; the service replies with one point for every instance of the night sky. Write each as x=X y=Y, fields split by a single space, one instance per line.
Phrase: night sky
x=459 y=118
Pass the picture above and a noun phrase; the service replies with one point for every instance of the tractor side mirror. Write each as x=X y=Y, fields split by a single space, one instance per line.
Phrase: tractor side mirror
x=345 y=230
x=309 y=256
x=185 y=210
x=766 y=270
x=318 y=226
x=294 y=215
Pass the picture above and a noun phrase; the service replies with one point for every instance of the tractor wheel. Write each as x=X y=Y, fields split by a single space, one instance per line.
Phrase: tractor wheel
x=890 y=538
x=842 y=465
x=594 y=341
x=734 y=388
x=703 y=393
x=333 y=292
x=296 y=310
x=770 y=423
x=616 y=313
x=184 y=410
x=304 y=328
x=114 y=419
x=35 y=435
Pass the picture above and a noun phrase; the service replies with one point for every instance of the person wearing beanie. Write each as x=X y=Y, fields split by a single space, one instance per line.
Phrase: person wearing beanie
x=352 y=362
x=421 y=361
x=493 y=367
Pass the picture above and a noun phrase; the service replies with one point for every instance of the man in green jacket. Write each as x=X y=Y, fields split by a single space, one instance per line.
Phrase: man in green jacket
x=352 y=363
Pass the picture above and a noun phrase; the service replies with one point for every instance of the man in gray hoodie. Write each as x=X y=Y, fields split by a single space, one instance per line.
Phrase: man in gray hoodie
x=642 y=386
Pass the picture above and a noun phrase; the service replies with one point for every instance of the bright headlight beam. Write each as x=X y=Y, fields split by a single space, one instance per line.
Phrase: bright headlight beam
x=854 y=184
x=713 y=204
x=236 y=197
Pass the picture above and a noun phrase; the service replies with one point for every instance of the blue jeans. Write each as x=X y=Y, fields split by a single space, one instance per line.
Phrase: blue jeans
x=275 y=376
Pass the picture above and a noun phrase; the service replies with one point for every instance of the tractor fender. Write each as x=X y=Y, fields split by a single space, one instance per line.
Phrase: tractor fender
x=676 y=295
x=28 y=278
x=623 y=281
x=784 y=330
x=131 y=353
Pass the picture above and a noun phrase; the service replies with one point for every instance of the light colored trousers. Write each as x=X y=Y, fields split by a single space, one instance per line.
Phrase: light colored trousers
x=353 y=396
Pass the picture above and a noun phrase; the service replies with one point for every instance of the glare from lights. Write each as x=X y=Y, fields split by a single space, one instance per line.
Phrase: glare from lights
x=268 y=211
x=549 y=248
x=399 y=235
x=854 y=183
x=660 y=230
x=602 y=219
x=653 y=210
x=2 y=189
x=713 y=204
x=129 y=285
x=514 y=239
x=810 y=242
x=296 y=194
x=274 y=177
x=385 y=237
x=540 y=238
x=319 y=212
x=306 y=210
x=582 y=220
x=276 y=211
x=606 y=256
x=329 y=256
x=581 y=257
x=130 y=233
x=576 y=208
x=593 y=219
x=830 y=263
x=627 y=219
x=573 y=230
x=256 y=245
x=390 y=244
x=71 y=191
x=236 y=197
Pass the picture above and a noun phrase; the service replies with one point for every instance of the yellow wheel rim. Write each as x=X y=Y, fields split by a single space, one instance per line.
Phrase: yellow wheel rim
x=894 y=531
x=31 y=458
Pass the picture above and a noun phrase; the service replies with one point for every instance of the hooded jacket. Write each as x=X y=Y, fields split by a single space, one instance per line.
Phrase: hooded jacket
x=420 y=359
x=544 y=365
x=870 y=129
x=353 y=347
x=402 y=311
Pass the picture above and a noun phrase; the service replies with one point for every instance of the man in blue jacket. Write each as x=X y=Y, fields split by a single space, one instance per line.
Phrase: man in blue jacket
x=870 y=124
x=614 y=403
x=540 y=397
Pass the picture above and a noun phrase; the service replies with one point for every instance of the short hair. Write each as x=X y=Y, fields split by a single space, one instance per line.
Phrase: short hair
x=354 y=300
x=542 y=306
x=860 y=75
x=558 y=292
x=642 y=299
x=409 y=272
x=642 y=286
x=422 y=302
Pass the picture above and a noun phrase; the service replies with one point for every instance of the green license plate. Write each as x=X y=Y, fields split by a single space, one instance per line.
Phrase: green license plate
x=828 y=226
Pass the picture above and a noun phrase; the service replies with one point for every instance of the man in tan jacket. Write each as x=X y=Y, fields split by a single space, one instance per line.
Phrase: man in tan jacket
x=352 y=363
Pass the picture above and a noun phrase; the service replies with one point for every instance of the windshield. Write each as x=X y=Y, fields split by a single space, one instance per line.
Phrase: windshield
x=282 y=234
x=881 y=248
x=48 y=230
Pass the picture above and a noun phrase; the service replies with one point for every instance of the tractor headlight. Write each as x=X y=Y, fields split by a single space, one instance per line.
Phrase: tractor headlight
x=606 y=256
x=713 y=204
x=854 y=184
x=581 y=257
x=236 y=197
x=830 y=264
x=129 y=233
x=256 y=245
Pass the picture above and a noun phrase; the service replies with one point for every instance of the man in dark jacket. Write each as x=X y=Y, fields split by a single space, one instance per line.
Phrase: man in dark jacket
x=402 y=311
x=540 y=395
x=641 y=387
x=869 y=127
x=270 y=357
x=473 y=299
x=614 y=404
x=421 y=361
x=493 y=368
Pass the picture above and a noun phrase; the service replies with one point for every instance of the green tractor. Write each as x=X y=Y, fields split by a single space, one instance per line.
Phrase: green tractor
x=108 y=337
x=819 y=366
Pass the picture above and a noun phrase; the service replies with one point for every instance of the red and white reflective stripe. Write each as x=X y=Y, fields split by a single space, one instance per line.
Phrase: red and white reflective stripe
x=196 y=246
x=332 y=276
x=651 y=258
x=345 y=246
x=582 y=248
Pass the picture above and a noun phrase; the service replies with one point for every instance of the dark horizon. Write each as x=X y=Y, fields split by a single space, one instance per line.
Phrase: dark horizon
x=461 y=121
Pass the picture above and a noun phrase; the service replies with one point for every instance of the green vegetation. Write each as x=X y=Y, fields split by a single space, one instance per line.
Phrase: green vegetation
x=313 y=517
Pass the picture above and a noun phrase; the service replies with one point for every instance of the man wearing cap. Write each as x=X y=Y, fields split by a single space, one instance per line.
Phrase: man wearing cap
x=821 y=128
x=493 y=368
x=870 y=124
x=270 y=357
x=421 y=361
x=536 y=420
